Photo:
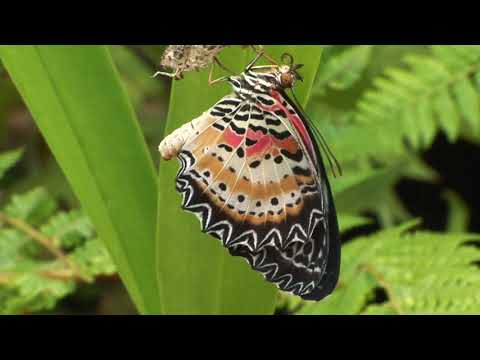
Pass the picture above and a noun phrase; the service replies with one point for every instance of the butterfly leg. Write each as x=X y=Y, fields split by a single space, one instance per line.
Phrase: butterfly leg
x=216 y=61
x=261 y=53
x=210 y=75
x=260 y=50
x=176 y=75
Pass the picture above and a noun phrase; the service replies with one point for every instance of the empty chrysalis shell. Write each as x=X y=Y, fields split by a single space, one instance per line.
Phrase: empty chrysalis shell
x=184 y=58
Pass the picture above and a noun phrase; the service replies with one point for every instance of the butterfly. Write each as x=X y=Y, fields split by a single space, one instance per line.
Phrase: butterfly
x=252 y=172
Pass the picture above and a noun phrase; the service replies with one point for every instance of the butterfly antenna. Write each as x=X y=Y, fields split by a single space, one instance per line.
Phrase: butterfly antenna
x=323 y=143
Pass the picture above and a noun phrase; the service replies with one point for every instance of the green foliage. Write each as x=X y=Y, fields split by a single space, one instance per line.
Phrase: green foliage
x=459 y=215
x=36 y=269
x=67 y=229
x=436 y=92
x=349 y=222
x=421 y=272
x=92 y=259
x=44 y=253
x=342 y=68
x=91 y=129
x=366 y=100
x=33 y=207
x=8 y=159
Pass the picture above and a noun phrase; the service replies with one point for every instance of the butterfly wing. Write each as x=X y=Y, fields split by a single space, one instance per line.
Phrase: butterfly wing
x=253 y=180
x=330 y=277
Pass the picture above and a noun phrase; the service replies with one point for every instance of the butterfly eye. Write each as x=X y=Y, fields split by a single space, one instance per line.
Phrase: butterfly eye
x=287 y=79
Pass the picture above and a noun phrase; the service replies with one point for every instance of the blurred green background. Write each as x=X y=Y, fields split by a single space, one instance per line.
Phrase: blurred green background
x=402 y=120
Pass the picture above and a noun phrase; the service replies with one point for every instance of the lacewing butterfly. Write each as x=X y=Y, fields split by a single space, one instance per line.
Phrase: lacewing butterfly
x=252 y=172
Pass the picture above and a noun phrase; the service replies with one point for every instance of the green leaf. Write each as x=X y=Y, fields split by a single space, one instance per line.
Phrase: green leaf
x=197 y=275
x=81 y=108
x=436 y=92
x=12 y=246
x=341 y=70
x=459 y=214
x=447 y=115
x=93 y=259
x=421 y=272
x=34 y=207
x=68 y=229
x=345 y=300
x=468 y=102
x=349 y=221
x=31 y=292
x=8 y=159
x=33 y=277
x=426 y=126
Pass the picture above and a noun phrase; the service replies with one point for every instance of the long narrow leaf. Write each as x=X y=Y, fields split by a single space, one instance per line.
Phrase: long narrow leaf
x=79 y=105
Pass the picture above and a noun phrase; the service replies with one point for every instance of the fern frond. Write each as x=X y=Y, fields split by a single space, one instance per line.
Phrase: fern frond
x=458 y=212
x=93 y=259
x=422 y=273
x=34 y=206
x=349 y=221
x=436 y=92
x=342 y=69
x=30 y=292
x=68 y=229
x=44 y=253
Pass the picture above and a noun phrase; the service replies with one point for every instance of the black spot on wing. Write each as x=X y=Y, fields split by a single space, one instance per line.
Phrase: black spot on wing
x=229 y=102
x=278 y=159
x=224 y=110
x=257 y=116
x=297 y=170
x=241 y=116
x=279 y=135
x=265 y=101
x=298 y=156
x=237 y=129
x=226 y=147
x=254 y=164
x=274 y=122
x=258 y=128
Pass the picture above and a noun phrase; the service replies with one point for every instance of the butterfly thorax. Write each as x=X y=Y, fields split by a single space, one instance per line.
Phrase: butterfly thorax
x=250 y=85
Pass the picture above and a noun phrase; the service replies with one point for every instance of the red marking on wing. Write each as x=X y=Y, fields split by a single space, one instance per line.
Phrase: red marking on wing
x=293 y=118
x=232 y=138
x=263 y=141
x=263 y=144
x=255 y=135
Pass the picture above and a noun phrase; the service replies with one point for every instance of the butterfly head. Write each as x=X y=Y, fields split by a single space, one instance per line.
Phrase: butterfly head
x=288 y=74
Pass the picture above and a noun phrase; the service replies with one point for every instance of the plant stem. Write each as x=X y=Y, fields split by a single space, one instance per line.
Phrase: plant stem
x=43 y=240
